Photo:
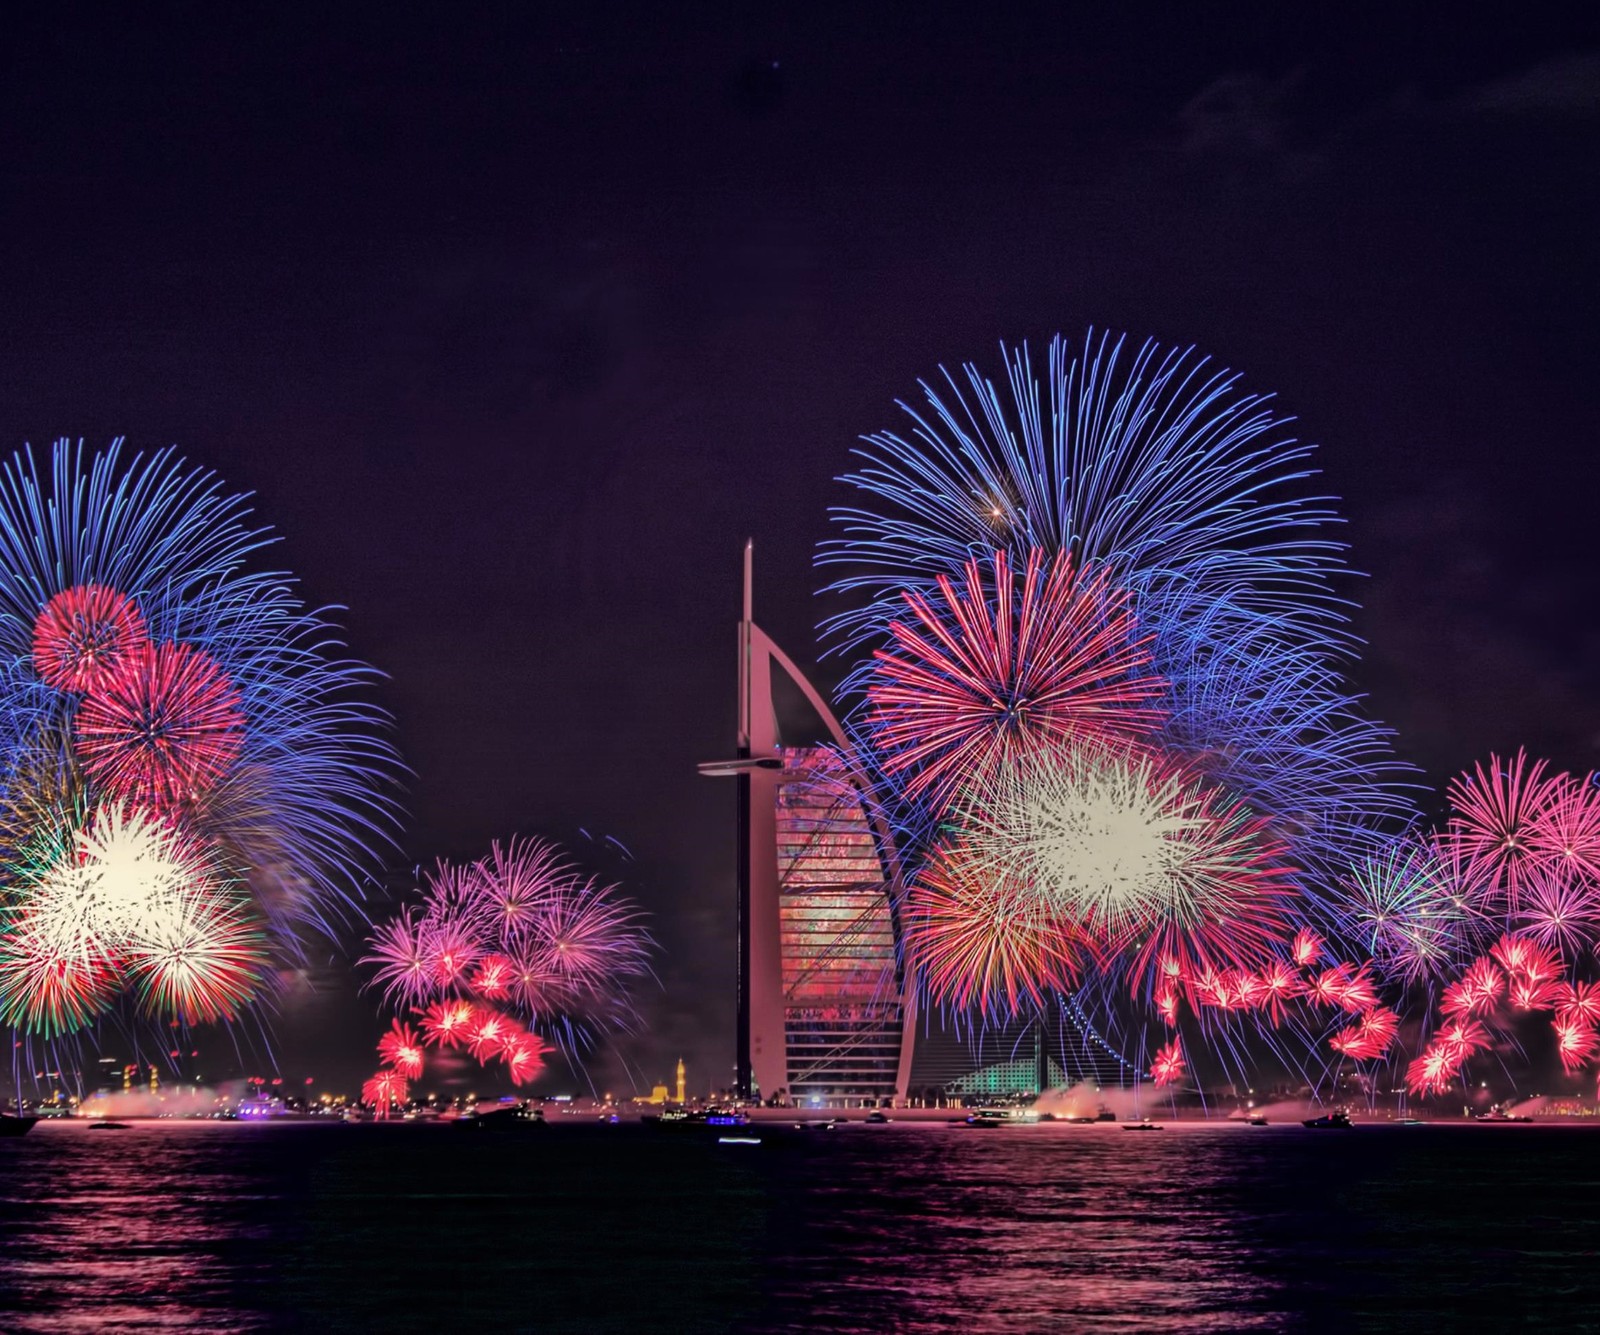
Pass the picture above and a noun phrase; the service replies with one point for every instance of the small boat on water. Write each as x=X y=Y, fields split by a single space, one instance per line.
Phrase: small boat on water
x=1499 y=1115
x=876 y=1119
x=106 y=1124
x=12 y=1125
x=993 y=1117
x=1256 y=1121
x=1144 y=1125
x=1334 y=1121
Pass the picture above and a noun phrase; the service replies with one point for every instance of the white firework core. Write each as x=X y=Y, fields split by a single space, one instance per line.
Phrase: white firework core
x=127 y=877
x=1104 y=838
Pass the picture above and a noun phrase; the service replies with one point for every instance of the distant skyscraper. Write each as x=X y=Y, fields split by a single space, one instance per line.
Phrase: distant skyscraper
x=822 y=1009
x=683 y=1077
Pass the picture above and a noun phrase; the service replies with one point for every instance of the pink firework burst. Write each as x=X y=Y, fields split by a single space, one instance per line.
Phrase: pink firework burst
x=399 y=949
x=165 y=725
x=992 y=673
x=1559 y=912
x=1167 y=1068
x=402 y=1049
x=451 y=949
x=1500 y=811
x=84 y=635
x=1566 y=836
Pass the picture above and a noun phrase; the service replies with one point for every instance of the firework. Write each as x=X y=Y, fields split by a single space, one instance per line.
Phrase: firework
x=1576 y=1043
x=520 y=927
x=171 y=686
x=1578 y=1002
x=1155 y=468
x=1138 y=854
x=400 y=952
x=1167 y=1067
x=402 y=1049
x=982 y=677
x=1402 y=912
x=444 y=1024
x=384 y=1090
x=1566 y=836
x=47 y=988
x=1501 y=811
x=1370 y=1037
x=976 y=944
x=1561 y=914
x=202 y=963
x=83 y=637
x=1478 y=991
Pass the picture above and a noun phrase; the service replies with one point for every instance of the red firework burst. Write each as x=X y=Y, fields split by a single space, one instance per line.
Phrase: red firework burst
x=163 y=728
x=1306 y=947
x=444 y=1024
x=990 y=676
x=384 y=1090
x=1578 y=1001
x=1168 y=1066
x=83 y=635
x=487 y=1033
x=1279 y=984
x=401 y=1049
x=523 y=1055
x=1478 y=992
x=1500 y=813
x=1432 y=1072
x=494 y=977
x=1369 y=1038
x=46 y=986
x=975 y=941
x=1576 y=1043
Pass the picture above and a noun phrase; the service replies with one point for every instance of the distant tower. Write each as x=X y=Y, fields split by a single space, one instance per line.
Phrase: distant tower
x=683 y=1076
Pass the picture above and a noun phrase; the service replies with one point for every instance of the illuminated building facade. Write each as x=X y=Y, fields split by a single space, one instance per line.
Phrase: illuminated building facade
x=823 y=1014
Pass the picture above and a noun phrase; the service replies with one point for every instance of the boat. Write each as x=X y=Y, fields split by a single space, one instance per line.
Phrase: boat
x=1145 y=1125
x=876 y=1119
x=992 y=1117
x=1256 y=1121
x=1105 y=1115
x=738 y=1140
x=106 y=1124
x=1334 y=1121
x=1497 y=1115
x=12 y=1125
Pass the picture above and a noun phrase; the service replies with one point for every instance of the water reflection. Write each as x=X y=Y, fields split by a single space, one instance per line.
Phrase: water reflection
x=317 y=1228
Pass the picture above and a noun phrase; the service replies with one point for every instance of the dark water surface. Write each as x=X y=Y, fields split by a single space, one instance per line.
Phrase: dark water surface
x=198 y=1226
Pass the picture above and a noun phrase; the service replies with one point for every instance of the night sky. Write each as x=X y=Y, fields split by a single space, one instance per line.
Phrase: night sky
x=517 y=326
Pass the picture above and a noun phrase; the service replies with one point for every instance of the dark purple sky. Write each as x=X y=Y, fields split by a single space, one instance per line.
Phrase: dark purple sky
x=518 y=326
